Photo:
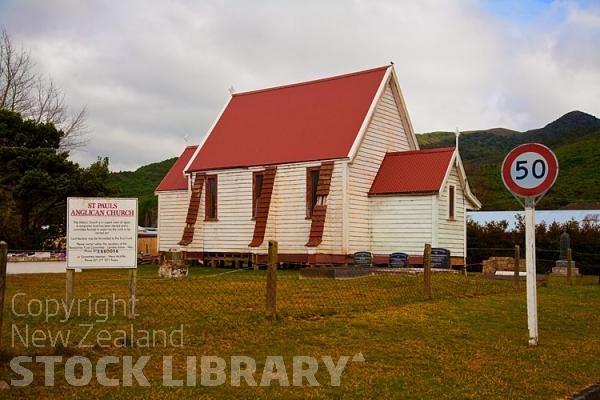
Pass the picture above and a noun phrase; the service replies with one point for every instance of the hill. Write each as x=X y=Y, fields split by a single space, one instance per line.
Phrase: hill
x=141 y=184
x=574 y=137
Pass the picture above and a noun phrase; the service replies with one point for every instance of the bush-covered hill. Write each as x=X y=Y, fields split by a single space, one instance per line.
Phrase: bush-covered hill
x=574 y=137
x=141 y=184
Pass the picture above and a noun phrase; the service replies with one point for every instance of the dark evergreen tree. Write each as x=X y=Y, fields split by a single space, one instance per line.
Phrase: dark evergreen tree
x=36 y=177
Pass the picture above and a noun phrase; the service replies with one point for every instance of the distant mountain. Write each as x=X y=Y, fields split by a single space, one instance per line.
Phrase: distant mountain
x=141 y=184
x=574 y=137
x=572 y=125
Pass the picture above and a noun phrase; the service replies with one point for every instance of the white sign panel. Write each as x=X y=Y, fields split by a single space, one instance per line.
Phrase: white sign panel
x=101 y=233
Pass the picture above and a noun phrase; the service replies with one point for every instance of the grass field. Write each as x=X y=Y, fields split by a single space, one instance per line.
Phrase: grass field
x=469 y=341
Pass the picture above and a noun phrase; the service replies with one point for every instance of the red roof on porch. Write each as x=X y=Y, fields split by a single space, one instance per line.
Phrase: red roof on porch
x=175 y=179
x=315 y=120
x=420 y=171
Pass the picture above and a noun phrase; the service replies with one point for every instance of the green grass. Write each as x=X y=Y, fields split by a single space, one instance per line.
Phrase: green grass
x=469 y=341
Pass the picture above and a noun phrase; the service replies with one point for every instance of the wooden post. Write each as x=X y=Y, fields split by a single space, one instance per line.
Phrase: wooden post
x=272 y=281
x=70 y=283
x=132 y=285
x=569 y=266
x=427 y=270
x=3 y=261
x=517 y=269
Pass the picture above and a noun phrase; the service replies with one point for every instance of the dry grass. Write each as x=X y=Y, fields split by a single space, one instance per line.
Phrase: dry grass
x=470 y=341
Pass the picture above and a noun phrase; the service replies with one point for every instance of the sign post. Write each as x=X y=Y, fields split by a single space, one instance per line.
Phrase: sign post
x=530 y=267
x=528 y=172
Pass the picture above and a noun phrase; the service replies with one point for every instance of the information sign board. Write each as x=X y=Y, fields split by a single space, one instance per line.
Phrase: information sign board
x=101 y=233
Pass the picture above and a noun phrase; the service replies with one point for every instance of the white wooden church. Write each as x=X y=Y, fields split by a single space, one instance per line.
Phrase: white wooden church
x=327 y=168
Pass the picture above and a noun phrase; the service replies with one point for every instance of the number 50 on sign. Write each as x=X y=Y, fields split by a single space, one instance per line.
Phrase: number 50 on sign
x=530 y=170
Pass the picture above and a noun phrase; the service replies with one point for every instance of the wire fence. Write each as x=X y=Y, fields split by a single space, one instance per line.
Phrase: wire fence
x=221 y=296
x=222 y=311
x=226 y=297
x=211 y=311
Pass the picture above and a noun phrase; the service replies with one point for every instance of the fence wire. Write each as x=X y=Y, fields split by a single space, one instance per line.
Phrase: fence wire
x=219 y=298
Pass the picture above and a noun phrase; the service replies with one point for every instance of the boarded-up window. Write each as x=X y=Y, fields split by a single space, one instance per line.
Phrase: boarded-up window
x=451 y=202
x=211 y=198
x=257 y=186
x=312 y=183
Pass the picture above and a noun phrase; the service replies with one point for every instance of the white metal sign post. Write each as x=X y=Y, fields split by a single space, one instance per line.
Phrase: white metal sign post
x=528 y=172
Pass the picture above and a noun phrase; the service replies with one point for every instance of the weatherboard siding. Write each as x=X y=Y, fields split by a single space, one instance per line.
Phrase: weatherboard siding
x=385 y=133
x=172 y=206
x=234 y=228
x=451 y=232
x=286 y=222
x=400 y=223
x=393 y=223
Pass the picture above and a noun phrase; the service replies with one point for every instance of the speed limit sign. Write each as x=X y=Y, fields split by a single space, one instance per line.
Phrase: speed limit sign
x=529 y=170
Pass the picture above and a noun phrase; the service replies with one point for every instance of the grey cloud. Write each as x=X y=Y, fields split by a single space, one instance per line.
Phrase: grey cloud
x=152 y=72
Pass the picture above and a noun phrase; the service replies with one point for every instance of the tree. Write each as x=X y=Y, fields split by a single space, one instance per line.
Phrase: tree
x=25 y=91
x=36 y=177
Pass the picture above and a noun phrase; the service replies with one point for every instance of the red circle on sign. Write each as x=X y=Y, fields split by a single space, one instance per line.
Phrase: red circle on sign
x=545 y=153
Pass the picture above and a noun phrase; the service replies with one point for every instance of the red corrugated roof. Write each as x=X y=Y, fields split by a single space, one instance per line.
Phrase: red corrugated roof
x=420 y=171
x=314 y=120
x=174 y=179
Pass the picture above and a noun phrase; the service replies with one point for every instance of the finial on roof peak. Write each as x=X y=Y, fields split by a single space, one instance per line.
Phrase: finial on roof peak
x=457 y=134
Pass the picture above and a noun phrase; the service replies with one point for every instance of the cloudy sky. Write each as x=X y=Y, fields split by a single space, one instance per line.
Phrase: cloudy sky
x=155 y=74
